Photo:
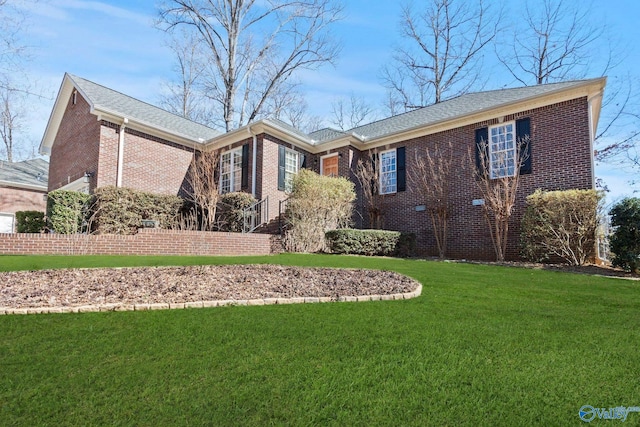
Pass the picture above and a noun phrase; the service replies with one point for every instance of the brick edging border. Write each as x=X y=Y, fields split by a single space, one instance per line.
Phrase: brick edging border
x=206 y=304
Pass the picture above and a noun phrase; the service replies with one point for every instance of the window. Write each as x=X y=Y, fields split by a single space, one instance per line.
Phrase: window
x=388 y=172
x=502 y=150
x=231 y=171
x=329 y=165
x=290 y=168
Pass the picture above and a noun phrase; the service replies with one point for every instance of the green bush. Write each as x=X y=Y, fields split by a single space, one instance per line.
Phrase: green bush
x=625 y=242
x=561 y=224
x=231 y=210
x=317 y=204
x=30 y=222
x=117 y=210
x=371 y=242
x=67 y=211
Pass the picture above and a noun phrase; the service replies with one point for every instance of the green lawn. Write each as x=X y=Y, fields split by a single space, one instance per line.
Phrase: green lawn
x=483 y=345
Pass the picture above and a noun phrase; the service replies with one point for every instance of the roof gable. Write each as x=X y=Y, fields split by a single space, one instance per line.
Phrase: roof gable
x=112 y=105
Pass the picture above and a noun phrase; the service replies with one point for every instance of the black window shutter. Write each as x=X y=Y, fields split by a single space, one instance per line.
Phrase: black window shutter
x=244 y=182
x=401 y=170
x=374 y=165
x=482 y=145
x=523 y=138
x=281 y=151
x=302 y=160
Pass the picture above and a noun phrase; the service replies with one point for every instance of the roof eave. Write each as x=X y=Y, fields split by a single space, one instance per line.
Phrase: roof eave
x=55 y=118
x=117 y=118
x=24 y=186
x=588 y=88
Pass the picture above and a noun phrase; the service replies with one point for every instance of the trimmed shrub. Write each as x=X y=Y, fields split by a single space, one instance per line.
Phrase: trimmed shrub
x=67 y=211
x=117 y=210
x=371 y=242
x=30 y=222
x=231 y=210
x=625 y=241
x=317 y=204
x=562 y=224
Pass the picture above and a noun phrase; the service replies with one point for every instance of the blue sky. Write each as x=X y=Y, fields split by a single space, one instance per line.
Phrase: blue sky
x=114 y=43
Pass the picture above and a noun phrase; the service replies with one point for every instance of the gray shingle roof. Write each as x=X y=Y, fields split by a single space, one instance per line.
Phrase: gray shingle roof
x=109 y=100
x=33 y=172
x=326 y=134
x=447 y=110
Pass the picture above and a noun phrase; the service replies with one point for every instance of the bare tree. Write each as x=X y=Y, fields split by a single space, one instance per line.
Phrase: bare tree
x=555 y=40
x=203 y=186
x=254 y=47
x=352 y=113
x=184 y=97
x=431 y=176
x=368 y=176
x=443 y=52
x=497 y=177
x=551 y=42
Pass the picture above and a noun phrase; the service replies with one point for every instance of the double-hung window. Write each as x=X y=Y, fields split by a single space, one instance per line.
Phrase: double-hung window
x=388 y=172
x=502 y=150
x=291 y=166
x=231 y=171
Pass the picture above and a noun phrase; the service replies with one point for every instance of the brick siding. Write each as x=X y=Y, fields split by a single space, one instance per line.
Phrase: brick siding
x=13 y=200
x=561 y=159
x=146 y=242
x=77 y=145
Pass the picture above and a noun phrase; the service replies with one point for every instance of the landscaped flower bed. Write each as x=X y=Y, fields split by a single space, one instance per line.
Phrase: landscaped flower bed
x=172 y=285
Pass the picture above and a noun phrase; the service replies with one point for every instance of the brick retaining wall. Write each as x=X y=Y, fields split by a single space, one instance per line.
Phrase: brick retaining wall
x=146 y=242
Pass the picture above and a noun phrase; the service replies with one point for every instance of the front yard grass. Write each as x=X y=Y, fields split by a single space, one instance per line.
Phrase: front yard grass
x=483 y=345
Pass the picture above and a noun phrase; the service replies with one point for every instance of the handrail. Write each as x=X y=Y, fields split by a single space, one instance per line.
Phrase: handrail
x=255 y=215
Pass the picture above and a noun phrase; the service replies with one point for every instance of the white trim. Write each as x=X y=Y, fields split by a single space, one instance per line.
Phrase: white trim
x=12 y=184
x=254 y=166
x=506 y=150
x=78 y=185
x=13 y=220
x=326 y=156
x=120 y=166
x=291 y=173
x=233 y=154
x=379 y=165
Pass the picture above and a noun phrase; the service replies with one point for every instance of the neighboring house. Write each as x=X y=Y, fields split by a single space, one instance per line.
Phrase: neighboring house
x=23 y=186
x=117 y=140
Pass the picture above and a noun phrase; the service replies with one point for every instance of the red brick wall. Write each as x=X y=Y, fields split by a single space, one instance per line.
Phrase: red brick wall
x=268 y=170
x=76 y=146
x=19 y=199
x=561 y=159
x=154 y=165
x=146 y=242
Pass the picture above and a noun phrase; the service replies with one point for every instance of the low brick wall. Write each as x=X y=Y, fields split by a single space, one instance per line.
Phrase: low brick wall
x=146 y=242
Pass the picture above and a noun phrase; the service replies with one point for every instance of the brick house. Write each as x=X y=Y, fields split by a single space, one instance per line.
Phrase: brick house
x=98 y=135
x=23 y=186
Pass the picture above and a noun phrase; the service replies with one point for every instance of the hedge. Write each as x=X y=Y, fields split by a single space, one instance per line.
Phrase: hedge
x=67 y=211
x=30 y=222
x=371 y=242
x=625 y=241
x=317 y=204
x=117 y=210
x=561 y=224
x=231 y=210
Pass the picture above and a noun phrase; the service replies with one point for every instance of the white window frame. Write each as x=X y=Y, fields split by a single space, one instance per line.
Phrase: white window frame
x=391 y=174
x=502 y=149
x=13 y=220
x=327 y=156
x=289 y=171
x=234 y=172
